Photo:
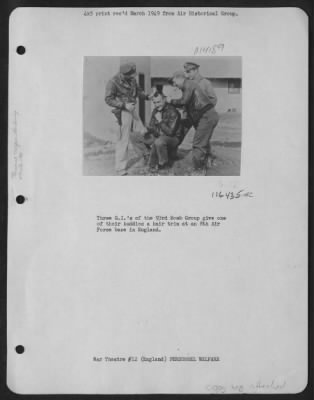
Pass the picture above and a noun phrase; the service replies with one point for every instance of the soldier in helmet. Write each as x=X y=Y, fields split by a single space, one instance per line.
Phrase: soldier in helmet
x=122 y=92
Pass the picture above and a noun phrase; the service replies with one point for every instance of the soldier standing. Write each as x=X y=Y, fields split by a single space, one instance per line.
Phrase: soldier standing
x=122 y=92
x=202 y=115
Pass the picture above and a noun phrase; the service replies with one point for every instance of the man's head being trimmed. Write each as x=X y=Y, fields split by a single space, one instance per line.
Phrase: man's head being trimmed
x=159 y=101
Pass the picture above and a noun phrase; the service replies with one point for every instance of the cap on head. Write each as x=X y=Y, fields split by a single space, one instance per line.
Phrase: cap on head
x=190 y=65
x=128 y=68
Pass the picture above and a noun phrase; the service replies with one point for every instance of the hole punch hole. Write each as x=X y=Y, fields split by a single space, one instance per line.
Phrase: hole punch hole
x=19 y=349
x=20 y=199
x=20 y=50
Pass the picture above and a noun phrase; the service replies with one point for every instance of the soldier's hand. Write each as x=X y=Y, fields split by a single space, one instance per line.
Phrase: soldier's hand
x=158 y=116
x=130 y=106
x=151 y=95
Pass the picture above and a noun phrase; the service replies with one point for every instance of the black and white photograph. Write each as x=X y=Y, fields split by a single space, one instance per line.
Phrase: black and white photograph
x=162 y=116
x=157 y=286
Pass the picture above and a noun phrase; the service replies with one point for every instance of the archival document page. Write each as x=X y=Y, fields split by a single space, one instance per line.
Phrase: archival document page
x=157 y=211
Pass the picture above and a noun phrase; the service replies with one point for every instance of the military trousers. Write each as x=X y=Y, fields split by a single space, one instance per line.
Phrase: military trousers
x=142 y=143
x=129 y=121
x=204 y=129
x=163 y=148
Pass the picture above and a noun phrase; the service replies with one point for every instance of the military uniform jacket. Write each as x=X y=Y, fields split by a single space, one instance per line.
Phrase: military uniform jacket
x=170 y=122
x=194 y=99
x=119 y=91
x=207 y=88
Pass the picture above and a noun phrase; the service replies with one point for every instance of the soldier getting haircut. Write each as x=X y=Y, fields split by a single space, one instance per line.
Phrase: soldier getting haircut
x=158 y=93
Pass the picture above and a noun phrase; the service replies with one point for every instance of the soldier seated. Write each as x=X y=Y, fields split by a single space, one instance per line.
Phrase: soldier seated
x=163 y=136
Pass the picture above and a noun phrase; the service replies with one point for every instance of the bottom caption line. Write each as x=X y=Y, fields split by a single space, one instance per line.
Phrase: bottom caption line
x=156 y=359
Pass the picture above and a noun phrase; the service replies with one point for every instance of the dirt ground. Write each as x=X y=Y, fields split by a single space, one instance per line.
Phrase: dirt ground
x=226 y=145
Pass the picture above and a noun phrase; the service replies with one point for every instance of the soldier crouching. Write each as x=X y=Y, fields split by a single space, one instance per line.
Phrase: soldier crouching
x=164 y=134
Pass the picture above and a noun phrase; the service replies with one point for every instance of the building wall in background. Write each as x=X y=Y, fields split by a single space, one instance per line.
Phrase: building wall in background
x=228 y=93
x=98 y=119
x=211 y=66
x=222 y=71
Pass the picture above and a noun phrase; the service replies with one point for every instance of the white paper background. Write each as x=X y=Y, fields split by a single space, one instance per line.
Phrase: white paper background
x=238 y=292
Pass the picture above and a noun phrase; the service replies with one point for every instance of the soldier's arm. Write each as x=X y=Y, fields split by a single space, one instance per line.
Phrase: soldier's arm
x=140 y=93
x=153 y=126
x=169 y=125
x=111 y=96
x=210 y=91
x=185 y=99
